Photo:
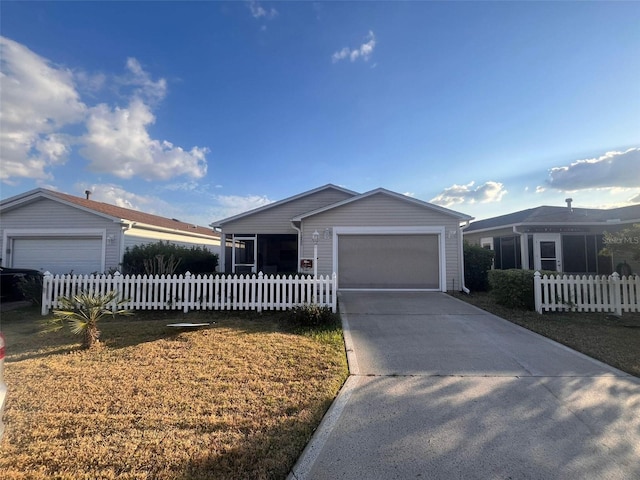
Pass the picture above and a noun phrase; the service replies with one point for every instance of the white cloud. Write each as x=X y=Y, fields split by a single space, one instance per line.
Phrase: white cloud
x=144 y=87
x=41 y=102
x=116 y=195
x=38 y=101
x=229 y=205
x=485 y=193
x=611 y=170
x=364 y=51
x=117 y=142
x=258 y=11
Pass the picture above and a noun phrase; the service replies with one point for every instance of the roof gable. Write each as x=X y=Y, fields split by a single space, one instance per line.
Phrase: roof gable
x=383 y=191
x=113 y=212
x=283 y=202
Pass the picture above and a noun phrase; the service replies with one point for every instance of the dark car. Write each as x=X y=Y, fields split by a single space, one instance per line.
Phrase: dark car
x=10 y=282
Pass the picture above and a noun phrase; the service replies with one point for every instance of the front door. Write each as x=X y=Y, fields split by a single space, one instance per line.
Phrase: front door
x=547 y=254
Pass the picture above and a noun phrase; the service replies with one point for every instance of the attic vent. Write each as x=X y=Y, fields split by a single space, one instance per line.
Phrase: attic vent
x=175 y=219
x=569 y=201
x=87 y=193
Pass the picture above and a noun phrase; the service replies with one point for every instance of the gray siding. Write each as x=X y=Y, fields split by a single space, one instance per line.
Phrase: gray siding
x=384 y=211
x=45 y=216
x=278 y=218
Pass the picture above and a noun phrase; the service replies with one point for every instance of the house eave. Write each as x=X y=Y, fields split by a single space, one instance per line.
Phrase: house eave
x=220 y=223
x=549 y=224
x=461 y=216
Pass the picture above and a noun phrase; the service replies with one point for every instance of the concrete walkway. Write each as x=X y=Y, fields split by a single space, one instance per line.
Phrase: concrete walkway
x=442 y=390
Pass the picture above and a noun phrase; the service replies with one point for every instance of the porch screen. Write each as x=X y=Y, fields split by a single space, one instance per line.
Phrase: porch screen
x=388 y=261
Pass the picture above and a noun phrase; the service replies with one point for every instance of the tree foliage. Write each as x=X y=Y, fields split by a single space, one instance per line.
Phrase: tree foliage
x=166 y=258
x=82 y=312
x=477 y=263
x=623 y=245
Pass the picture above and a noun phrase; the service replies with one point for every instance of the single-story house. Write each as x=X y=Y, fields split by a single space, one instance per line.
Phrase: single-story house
x=563 y=239
x=52 y=231
x=374 y=240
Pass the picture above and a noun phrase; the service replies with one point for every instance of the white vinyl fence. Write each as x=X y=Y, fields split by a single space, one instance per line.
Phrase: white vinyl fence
x=581 y=293
x=197 y=292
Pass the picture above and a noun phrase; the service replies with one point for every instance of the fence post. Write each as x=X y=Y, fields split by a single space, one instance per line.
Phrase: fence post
x=117 y=286
x=334 y=293
x=614 y=283
x=186 y=292
x=537 y=291
x=46 y=292
x=260 y=286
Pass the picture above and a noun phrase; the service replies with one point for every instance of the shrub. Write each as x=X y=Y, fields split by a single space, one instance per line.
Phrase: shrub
x=477 y=263
x=30 y=286
x=166 y=258
x=82 y=313
x=514 y=288
x=312 y=315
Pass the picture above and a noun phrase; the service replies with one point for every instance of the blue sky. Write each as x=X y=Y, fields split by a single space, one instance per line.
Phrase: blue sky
x=201 y=110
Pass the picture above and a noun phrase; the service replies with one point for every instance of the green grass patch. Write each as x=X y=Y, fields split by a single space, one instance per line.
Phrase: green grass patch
x=238 y=399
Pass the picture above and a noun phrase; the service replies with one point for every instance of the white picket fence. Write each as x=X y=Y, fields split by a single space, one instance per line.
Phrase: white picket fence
x=197 y=292
x=581 y=293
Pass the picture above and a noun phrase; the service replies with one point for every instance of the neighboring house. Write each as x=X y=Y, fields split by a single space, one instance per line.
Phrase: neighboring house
x=564 y=239
x=52 y=231
x=375 y=240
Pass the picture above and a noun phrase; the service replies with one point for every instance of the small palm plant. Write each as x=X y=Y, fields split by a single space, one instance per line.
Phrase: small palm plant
x=82 y=313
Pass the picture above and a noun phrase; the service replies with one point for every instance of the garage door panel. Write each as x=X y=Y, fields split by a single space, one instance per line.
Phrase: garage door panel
x=388 y=261
x=59 y=255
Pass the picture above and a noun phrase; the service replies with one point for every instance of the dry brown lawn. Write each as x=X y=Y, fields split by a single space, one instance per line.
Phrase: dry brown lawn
x=610 y=339
x=236 y=400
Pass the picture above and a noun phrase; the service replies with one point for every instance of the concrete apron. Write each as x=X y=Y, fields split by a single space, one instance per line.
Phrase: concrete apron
x=442 y=390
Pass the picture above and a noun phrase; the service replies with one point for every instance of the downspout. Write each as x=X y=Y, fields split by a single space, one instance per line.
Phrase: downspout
x=299 y=244
x=125 y=226
x=460 y=246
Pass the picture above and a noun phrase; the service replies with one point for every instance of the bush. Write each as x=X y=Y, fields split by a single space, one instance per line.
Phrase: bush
x=477 y=263
x=30 y=287
x=514 y=288
x=164 y=257
x=312 y=315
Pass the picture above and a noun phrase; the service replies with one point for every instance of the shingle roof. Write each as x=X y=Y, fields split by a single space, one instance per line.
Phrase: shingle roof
x=122 y=213
x=563 y=215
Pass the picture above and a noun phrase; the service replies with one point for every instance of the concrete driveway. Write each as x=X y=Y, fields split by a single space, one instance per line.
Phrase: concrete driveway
x=442 y=390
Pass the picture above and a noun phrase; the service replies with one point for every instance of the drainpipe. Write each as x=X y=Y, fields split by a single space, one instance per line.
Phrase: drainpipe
x=125 y=226
x=299 y=245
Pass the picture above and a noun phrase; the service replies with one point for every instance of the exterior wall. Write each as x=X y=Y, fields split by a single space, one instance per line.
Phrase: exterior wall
x=44 y=217
x=528 y=231
x=381 y=210
x=474 y=237
x=137 y=236
x=278 y=219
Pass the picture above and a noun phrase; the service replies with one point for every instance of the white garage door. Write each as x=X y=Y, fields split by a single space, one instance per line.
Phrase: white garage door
x=389 y=261
x=59 y=255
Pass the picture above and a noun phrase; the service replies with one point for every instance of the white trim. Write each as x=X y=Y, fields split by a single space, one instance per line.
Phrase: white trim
x=547 y=237
x=440 y=231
